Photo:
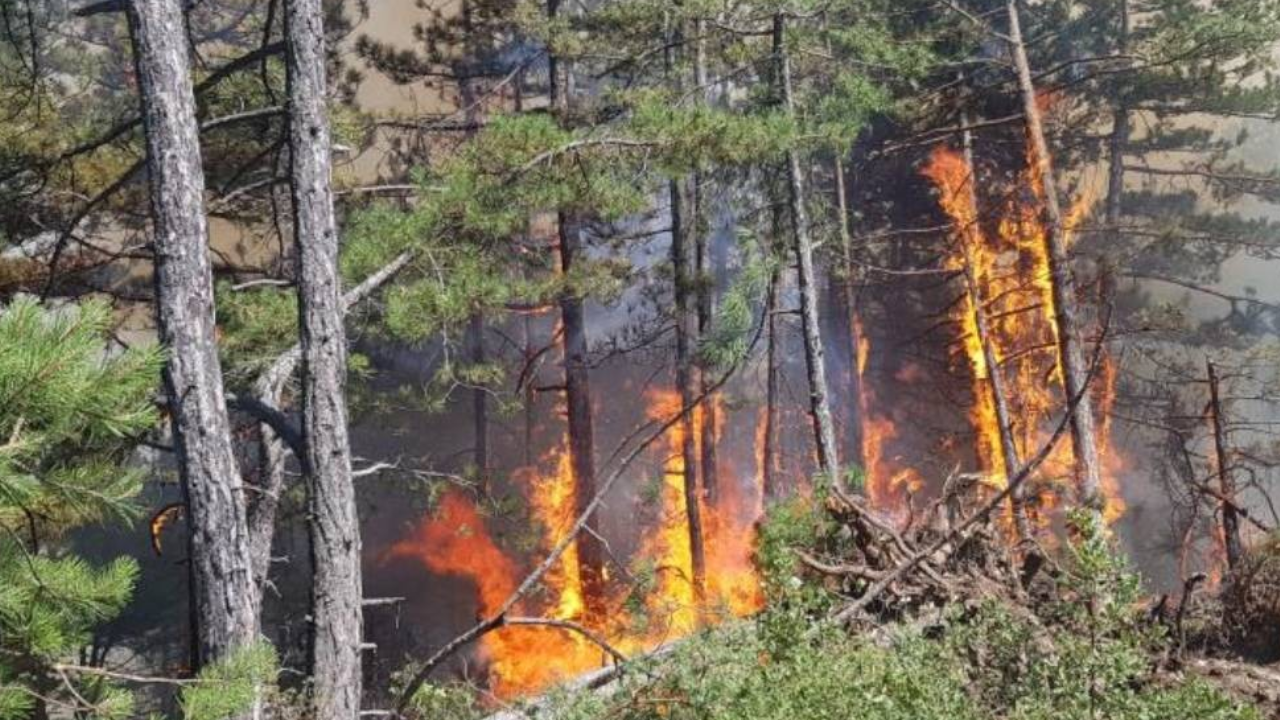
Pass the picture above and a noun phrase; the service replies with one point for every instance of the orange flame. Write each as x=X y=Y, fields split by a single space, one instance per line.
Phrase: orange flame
x=1012 y=270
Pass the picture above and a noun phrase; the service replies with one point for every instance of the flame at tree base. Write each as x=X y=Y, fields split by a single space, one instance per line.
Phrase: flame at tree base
x=521 y=660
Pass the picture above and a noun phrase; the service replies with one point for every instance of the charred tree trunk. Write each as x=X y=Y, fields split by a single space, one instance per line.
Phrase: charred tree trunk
x=581 y=426
x=225 y=603
x=683 y=199
x=848 y=296
x=577 y=373
x=1075 y=372
x=1226 y=479
x=819 y=403
x=769 y=453
x=336 y=629
x=479 y=404
x=685 y=379
x=995 y=380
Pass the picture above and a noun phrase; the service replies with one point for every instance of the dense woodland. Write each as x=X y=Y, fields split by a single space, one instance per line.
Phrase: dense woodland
x=639 y=359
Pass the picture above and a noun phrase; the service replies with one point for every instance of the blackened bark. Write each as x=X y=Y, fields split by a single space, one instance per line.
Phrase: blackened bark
x=769 y=461
x=686 y=323
x=577 y=385
x=819 y=400
x=336 y=589
x=847 y=291
x=1226 y=478
x=224 y=599
x=479 y=404
x=577 y=373
x=1075 y=372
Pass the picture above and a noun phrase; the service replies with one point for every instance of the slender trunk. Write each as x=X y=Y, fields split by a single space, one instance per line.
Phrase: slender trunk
x=1119 y=139
x=1075 y=372
x=819 y=403
x=705 y=285
x=224 y=599
x=1226 y=478
x=685 y=378
x=848 y=296
x=683 y=199
x=530 y=391
x=576 y=372
x=995 y=380
x=770 y=480
x=479 y=405
x=336 y=588
x=581 y=427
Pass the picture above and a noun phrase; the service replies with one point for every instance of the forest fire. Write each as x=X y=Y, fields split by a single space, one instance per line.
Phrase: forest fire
x=1008 y=332
x=523 y=659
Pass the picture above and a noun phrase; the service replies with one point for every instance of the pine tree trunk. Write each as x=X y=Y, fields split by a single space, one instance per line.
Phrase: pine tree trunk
x=685 y=378
x=769 y=459
x=577 y=374
x=336 y=590
x=1226 y=479
x=1075 y=372
x=704 y=286
x=995 y=378
x=480 y=404
x=819 y=401
x=225 y=602
x=581 y=427
x=848 y=296
x=1119 y=139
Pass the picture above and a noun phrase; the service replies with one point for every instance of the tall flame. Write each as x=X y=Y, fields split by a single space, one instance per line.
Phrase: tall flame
x=1012 y=270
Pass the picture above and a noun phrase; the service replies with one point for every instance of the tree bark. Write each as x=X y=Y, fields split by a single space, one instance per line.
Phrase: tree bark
x=577 y=373
x=704 y=286
x=1226 y=479
x=479 y=405
x=686 y=324
x=226 y=608
x=995 y=380
x=1075 y=372
x=819 y=401
x=848 y=295
x=336 y=590
x=1119 y=139
x=769 y=459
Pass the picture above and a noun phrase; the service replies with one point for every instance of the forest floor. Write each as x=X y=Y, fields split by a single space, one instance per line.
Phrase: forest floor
x=946 y=619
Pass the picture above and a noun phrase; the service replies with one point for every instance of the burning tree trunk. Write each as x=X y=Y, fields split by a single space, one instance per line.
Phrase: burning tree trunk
x=848 y=295
x=704 y=286
x=819 y=402
x=1226 y=479
x=684 y=260
x=225 y=605
x=577 y=385
x=990 y=360
x=769 y=463
x=1075 y=372
x=685 y=378
x=336 y=590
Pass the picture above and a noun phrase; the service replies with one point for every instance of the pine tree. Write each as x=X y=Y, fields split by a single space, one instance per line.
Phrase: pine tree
x=71 y=411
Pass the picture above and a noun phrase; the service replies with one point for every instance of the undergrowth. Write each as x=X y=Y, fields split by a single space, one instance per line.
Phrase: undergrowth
x=1087 y=654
